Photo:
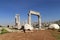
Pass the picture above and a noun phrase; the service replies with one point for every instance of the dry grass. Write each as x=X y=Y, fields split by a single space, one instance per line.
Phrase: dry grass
x=55 y=34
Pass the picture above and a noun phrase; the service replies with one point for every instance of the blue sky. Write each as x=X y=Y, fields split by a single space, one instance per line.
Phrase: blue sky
x=49 y=10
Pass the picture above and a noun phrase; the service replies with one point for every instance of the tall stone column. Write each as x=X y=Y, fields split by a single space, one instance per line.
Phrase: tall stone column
x=39 y=22
x=17 y=21
x=29 y=19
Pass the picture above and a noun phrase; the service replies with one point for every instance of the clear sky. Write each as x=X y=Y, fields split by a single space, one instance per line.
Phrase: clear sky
x=49 y=10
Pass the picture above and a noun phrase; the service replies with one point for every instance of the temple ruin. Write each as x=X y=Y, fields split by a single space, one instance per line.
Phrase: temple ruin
x=17 y=20
x=34 y=13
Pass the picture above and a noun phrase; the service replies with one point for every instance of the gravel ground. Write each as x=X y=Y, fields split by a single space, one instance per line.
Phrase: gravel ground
x=35 y=35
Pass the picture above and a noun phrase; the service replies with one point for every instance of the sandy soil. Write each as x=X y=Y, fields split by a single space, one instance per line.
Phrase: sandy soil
x=35 y=35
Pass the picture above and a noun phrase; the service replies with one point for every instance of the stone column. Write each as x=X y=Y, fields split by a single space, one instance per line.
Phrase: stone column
x=39 y=22
x=29 y=19
x=17 y=21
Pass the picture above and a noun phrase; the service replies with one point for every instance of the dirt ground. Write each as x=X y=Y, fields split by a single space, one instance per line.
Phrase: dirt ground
x=35 y=35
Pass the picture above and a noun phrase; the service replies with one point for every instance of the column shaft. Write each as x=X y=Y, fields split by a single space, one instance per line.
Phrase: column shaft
x=39 y=21
x=29 y=19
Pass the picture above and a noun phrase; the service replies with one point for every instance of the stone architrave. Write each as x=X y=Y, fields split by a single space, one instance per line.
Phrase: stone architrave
x=34 y=13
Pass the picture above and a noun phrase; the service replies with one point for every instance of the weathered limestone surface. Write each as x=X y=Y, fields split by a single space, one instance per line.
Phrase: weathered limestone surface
x=17 y=21
x=34 y=13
